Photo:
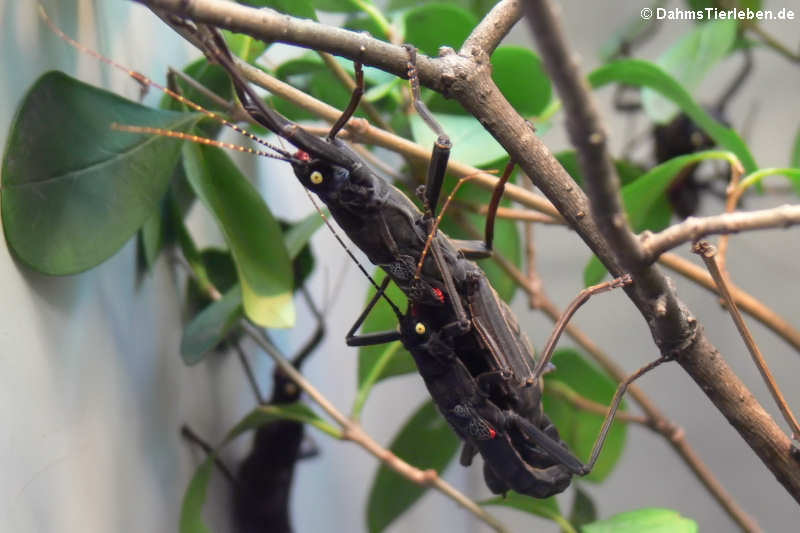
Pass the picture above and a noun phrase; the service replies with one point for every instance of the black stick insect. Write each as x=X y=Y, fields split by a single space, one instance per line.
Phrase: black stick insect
x=466 y=343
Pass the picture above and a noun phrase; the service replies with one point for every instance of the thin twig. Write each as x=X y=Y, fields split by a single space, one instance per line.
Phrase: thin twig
x=493 y=28
x=578 y=401
x=694 y=228
x=707 y=252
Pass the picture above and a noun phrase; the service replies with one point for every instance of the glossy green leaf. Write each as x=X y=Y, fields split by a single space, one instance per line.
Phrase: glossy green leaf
x=191 y=520
x=433 y=25
x=477 y=7
x=646 y=203
x=337 y=6
x=253 y=235
x=217 y=268
x=425 y=441
x=579 y=428
x=584 y=510
x=520 y=76
x=643 y=73
x=546 y=508
x=152 y=238
x=650 y=520
x=642 y=195
x=68 y=206
x=298 y=235
x=303 y=9
x=472 y=144
x=688 y=61
x=264 y=414
x=211 y=326
x=244 y=46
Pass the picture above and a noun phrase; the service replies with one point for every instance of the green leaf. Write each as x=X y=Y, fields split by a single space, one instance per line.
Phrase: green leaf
x=245 y=46
x=152 y=238
x=253 y=235
x=688 y=61
x=520 y=76
x=579 y=428
x=643 y=73
x=650 y=520
x=594 y=272
x=303 y=9
x=546 y=508
x=264 y=414
x=584 y=510
x=433 y=25
x=194 y=499
x=646 y=203
x=69 y=206
x=211 y=326
x=336 y=6
x=425 y=441
x=472 y=144
x=298 y=235
x=641 y=196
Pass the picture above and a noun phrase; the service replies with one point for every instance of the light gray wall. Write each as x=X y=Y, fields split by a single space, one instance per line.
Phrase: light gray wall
x=93 y=389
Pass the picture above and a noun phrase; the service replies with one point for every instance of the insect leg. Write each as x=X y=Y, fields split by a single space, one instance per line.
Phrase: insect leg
x=369 y=339
x=441 y=147
x=355 y=98
x=579 y=300
x=556 y=449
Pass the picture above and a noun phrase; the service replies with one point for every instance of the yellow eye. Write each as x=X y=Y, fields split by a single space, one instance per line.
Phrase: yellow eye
x=316 y=177
x=420 y=328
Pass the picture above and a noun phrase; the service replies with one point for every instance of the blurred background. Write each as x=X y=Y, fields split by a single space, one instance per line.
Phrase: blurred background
x=94 y=390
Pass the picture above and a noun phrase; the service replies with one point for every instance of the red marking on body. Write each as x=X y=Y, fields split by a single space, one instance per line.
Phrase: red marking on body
x=439 y=294
x=492 y=433
x=302 y=156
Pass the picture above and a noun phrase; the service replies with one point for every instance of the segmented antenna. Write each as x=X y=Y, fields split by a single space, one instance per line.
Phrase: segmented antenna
x=145 y=81
x=195 y=138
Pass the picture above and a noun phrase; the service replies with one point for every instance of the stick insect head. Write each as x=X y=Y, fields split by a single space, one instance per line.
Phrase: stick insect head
x=319 y=176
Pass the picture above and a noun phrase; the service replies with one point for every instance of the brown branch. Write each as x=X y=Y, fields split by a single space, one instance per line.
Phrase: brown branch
x=586 y=131
x=556 y=388
x=493 y=28
x=707 y=252
x=694 y=228
x=467 y=78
